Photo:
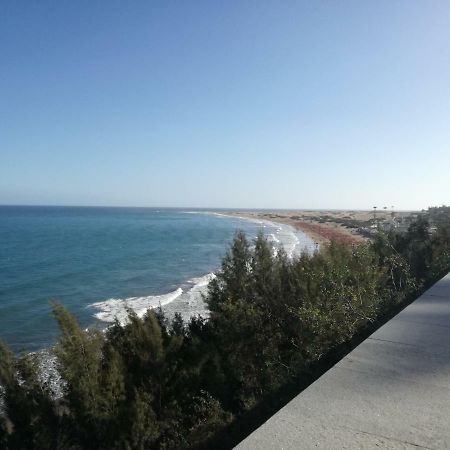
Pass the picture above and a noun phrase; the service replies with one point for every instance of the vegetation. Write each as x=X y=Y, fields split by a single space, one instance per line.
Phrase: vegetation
x=346 y=221
x=438 y=215
x=153 y=384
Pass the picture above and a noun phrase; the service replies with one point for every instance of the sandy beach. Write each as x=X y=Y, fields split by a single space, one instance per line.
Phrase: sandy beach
x=323 y=226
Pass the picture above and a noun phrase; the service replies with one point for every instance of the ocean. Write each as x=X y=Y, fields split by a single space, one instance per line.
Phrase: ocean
x=99 y=261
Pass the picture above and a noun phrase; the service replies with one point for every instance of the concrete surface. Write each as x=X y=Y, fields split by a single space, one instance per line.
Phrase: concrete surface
x=391 y=392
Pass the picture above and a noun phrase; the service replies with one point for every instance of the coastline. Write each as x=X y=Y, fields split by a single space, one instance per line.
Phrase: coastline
x=309 y=241
x=147 y=266
x=320 y=233
x=187 y=300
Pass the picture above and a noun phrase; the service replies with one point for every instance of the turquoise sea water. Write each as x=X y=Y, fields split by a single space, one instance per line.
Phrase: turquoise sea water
x=98 y=260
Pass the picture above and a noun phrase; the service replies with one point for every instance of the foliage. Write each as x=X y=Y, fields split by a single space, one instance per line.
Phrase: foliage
x=155 y=384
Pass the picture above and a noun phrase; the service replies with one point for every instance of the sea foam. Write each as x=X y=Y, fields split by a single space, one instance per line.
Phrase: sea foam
x=189 y=302
x=118 y=308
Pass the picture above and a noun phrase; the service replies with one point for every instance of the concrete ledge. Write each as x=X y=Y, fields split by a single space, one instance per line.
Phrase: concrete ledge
x=391 y=392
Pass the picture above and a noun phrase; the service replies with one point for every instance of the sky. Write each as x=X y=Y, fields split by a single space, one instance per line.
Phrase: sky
x=239 y=104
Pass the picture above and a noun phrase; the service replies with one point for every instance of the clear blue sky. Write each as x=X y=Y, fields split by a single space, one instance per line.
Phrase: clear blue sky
x=288 y=104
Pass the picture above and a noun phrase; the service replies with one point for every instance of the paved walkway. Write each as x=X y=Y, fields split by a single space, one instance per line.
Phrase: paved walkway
x=391 y=392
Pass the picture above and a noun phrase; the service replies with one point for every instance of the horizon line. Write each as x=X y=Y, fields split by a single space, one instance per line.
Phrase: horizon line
x=204 y=207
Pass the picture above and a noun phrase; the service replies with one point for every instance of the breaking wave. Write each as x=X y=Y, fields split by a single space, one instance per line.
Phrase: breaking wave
x=118 y=308
x=188 y=302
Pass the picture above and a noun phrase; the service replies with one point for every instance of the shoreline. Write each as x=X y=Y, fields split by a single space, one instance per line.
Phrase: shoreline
x=320 y=233
x=186 y=299
x=310 y=247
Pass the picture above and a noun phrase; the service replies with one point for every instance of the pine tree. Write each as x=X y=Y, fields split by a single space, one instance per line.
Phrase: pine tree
x=79 y=356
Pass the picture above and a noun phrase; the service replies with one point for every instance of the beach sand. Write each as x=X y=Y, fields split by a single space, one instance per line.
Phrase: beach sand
x=323 y=226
